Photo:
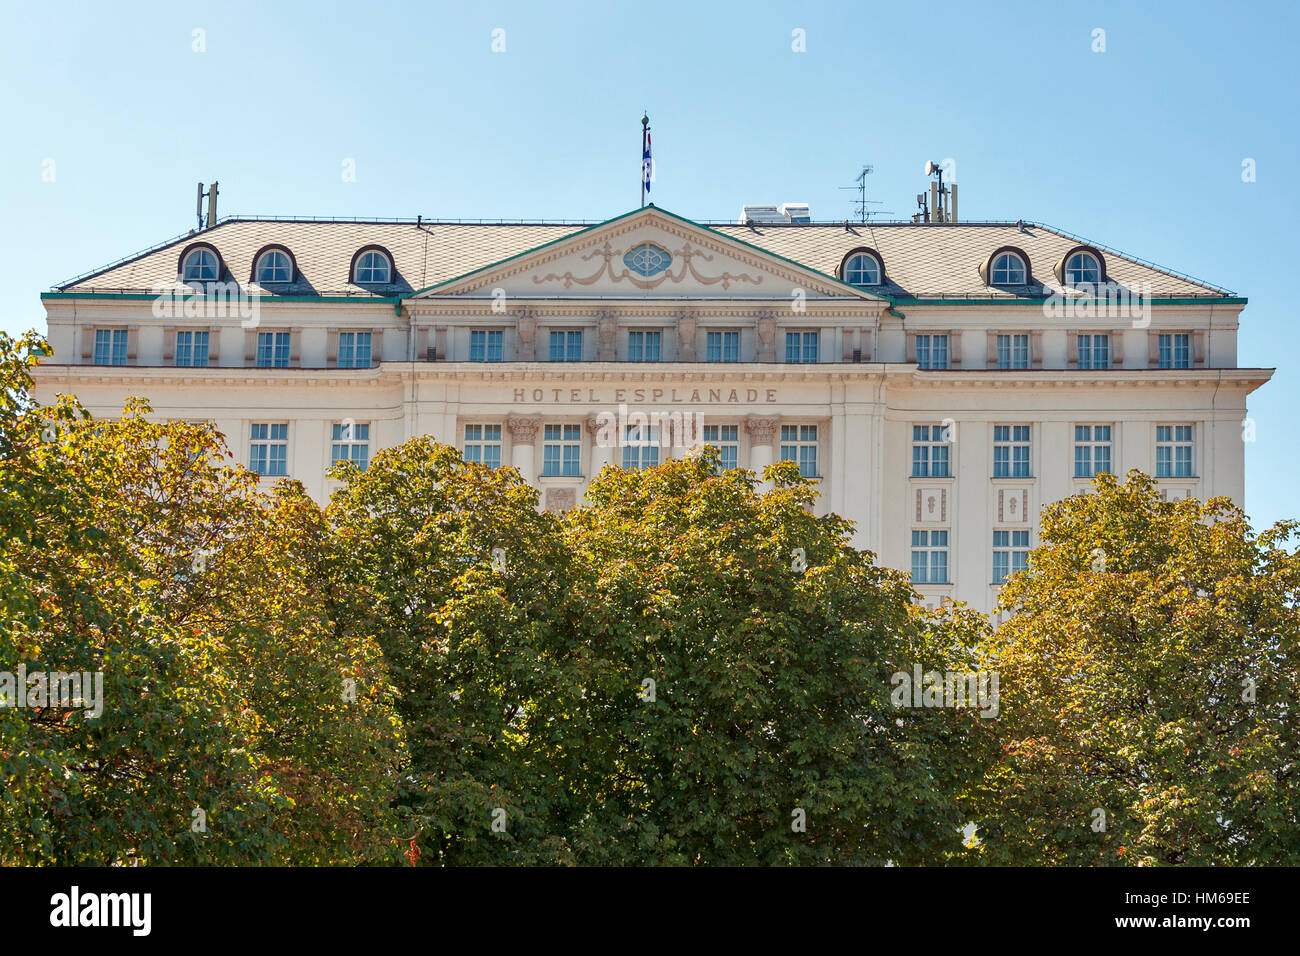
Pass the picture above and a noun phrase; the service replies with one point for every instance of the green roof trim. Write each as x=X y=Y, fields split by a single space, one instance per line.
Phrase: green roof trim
x=722 y=236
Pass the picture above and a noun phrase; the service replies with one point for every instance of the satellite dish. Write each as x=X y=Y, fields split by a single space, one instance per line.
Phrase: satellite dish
x=930 y=167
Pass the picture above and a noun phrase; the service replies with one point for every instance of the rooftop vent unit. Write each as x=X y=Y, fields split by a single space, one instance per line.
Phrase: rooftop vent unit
x=757 y=214
x=795 y=211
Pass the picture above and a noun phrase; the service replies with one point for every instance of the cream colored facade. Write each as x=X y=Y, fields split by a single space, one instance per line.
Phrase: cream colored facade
x=849 y=409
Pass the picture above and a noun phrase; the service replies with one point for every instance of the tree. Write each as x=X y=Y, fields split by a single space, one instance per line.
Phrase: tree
x=734 y=697
x=132 y=551
x=1150 y=678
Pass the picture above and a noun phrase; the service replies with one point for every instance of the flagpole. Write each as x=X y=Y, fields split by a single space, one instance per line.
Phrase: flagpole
x=645 y=130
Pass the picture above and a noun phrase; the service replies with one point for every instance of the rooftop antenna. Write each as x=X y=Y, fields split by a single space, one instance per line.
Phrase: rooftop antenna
x=211 y=219
x=860 y=204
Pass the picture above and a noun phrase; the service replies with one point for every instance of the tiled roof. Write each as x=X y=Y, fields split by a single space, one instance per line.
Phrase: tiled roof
x=921 y=261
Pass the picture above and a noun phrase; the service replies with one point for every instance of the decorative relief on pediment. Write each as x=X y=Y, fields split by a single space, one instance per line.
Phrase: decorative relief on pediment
x=613 y=267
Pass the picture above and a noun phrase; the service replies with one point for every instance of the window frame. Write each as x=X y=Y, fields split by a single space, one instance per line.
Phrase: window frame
x=568 y=439
x=359 y=262
x=998 y=258
x=1012 y=444
x=929 y=549
x=266 y=254
x=1092 y=444
x=1173 y=444
x=800 y=443
x=269 y=441
x=475 y=448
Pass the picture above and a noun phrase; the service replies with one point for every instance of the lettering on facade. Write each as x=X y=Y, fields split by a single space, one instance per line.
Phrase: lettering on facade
x=654 y=396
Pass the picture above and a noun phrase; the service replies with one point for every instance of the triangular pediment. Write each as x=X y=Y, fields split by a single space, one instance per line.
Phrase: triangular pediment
x=648 y=253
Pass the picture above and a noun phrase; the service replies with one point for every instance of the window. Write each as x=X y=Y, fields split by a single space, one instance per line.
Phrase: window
x=486 y=345
x=350 y=442
x=1010 y=451
x=862 y=268
x=1013 y=351
x=272 y=349
x=566 y=346
x=373 y=267
x=722 y=347
x=641 y=447
x=801 y=346
x=483 y=444
x=268 y=449
x=1082 y=267
x=1094 y=351
x=647 y=259
x=1092 y=450
x=643 y=346
x=932 y=351
x=200 y=266
x=1175 y=350
x=726 y=439
x=799 y=444
x=1173 y=451
x=274 y=266
x=110 y=346
x=354 y=350
x=1010 y=553
x=561 y=450
x=930 y=449
x=1008 y=269
x=192 y=349
x=929 y=557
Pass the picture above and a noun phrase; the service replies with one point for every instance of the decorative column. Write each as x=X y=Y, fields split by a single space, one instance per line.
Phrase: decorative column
x=604 y=442
x=606 y=336
x=686 y=326
x=523 y=438
x=762 y=435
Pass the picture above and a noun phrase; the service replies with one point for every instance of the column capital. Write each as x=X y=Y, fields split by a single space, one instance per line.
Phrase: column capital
x=523 y=428
x=762 y=428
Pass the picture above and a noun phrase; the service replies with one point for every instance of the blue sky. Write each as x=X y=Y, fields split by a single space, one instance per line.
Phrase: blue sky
x=1139 y=148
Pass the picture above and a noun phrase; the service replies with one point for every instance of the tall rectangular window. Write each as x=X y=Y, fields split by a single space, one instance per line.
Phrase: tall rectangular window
x=562 y=450
x=1094 y=351
x=566 y=346
x=483 y=444
x=268 y=449
x=1092 y=450
x=932 y=351
x=722 y=346
x=799 y=444
x=354 y=350
x=726 y=439
x=1013 y=351
x=350 y=442
x=1175 y=350
x=1174 y=451
x=1010 y=553
x=643 y=346
x=110 y=346
x=1010 y=451
x=273 y=349
x=192 y=349
x=929 y=557
x=930 y=451
x=801 y=346
x=641 y=447
x=486 y=345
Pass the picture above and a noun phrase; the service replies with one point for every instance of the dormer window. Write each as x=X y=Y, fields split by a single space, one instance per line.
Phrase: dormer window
x=1082 y=268
x=862 y=269
x=373 y=268
x=200 y=265
x=1008 y=269
x=274 y=266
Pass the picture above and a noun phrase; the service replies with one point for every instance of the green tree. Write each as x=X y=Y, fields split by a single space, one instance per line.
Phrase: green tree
x=132 y=549
x=1150 y=672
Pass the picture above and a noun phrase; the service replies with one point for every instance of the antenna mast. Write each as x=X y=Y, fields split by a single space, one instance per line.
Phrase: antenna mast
x=860 y=204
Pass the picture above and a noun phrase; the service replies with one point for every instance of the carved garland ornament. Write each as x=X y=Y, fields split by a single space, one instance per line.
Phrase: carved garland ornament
x=609 y=256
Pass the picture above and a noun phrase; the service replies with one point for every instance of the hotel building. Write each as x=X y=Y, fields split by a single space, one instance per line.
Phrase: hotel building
x=941 y=381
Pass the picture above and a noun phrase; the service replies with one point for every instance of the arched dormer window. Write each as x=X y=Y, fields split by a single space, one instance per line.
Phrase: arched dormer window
x=372 y=267
x=1008 y=269
x=200 y=264
x=862 y=267
x=1083 y=266
x=274 y=265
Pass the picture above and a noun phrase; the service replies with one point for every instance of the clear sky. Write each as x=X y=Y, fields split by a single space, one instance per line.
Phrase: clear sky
x=1139 y=147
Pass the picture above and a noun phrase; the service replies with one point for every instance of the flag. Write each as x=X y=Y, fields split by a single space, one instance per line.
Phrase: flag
x=647 y=164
